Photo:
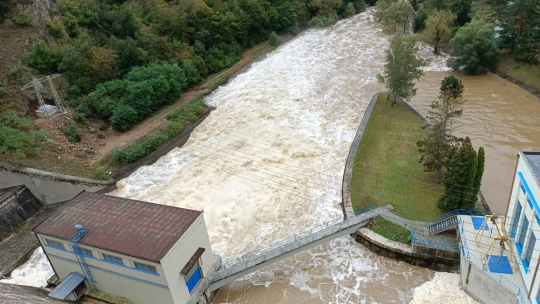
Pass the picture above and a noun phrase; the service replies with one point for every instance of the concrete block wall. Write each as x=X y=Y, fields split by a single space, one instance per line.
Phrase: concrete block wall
x=16 y=206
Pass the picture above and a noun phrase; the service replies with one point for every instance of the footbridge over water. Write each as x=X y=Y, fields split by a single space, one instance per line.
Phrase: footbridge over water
x=254 y=260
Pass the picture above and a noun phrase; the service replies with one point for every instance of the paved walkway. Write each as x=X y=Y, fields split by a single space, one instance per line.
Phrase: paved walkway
x=420 y=228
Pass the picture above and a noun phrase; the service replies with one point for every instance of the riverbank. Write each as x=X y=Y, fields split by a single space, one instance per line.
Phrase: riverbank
x=527 y=76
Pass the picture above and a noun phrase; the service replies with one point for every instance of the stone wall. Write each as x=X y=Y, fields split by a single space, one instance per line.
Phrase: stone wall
x=16 y=206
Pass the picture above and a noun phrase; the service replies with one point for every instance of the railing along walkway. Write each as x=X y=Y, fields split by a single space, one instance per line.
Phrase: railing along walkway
x=449 y=219
x=287 y=245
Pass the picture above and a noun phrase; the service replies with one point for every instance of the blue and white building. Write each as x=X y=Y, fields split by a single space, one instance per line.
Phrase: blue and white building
x=513 y=278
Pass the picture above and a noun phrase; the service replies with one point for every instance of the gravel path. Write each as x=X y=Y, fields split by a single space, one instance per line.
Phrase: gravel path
x=420 y=228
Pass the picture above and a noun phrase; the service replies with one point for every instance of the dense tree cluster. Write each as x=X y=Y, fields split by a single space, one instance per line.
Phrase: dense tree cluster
x=94 y=42
x=520 y=22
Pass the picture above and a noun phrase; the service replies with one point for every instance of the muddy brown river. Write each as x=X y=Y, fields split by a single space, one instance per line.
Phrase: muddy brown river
x=268 y=163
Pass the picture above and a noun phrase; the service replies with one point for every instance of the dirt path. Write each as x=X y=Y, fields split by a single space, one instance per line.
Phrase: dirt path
x=157 y=121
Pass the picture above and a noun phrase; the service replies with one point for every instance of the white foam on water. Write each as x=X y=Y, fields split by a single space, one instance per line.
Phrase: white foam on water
x=33 y=272
x=440 y=289
x=268 y=163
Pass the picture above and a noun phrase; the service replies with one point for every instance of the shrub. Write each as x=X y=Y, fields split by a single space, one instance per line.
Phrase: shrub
x=275 y=40
x=124 y=117
x=55 y=28
x=101 y=173
x=41 y=58
x=349 y=11
x=71 y=134
x=323 y=21
x=17 y=136
x=79 y=117
x=21 y=19
x=2 y=88
x=190 y=69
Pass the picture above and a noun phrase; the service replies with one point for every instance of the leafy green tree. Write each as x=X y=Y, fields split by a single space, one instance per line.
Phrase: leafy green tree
x=438 y=28
x=459 y=181
x=414 y=4
x=128 y=53
x=402 y=68
x=462 y=10
x=124 y=22
x=56 y=28
x=82 y=12
x=192 y=73
x=124 y=117
x=420 y=20
x=349 y=11
x=42 y=58
x=475 y=48
x=437 y=5
x=381 y=6
x=398 y=16
x=436 y=146
x=274 y=39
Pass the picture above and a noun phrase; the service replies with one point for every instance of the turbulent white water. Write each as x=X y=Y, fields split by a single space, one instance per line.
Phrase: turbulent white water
x=444 y=286
x=268 y=163
x=33 y=272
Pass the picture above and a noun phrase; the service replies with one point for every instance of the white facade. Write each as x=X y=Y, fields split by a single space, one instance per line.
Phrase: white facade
x=123 y=276
x=522 y=221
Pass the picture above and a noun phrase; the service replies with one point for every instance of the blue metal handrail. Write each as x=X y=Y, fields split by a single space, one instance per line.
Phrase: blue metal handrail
x=480 y=264
x=433 y=244
x=288 y=244
x=456 y=212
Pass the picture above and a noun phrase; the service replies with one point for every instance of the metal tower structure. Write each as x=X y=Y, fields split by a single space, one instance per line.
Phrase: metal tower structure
x=74 y=241
x=38 y=87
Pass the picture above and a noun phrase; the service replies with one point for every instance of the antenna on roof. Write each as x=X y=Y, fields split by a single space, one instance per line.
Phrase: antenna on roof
x=79 y=228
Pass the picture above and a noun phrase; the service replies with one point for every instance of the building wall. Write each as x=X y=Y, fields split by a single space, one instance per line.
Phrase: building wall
x=117 y=279
x=173 y=262
x=482 y=287
x=526 y=192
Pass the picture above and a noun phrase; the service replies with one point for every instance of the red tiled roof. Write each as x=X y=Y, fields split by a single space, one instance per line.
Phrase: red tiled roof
x=135 y=228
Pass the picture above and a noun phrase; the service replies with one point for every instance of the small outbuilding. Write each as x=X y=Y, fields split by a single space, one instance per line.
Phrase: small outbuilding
x=145 y=252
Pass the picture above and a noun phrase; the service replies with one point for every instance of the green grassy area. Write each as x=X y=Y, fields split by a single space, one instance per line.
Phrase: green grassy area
x=527 y=74
x=386 y=168
x=390 y=230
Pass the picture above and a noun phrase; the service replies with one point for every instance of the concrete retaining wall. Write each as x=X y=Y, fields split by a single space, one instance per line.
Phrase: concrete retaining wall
x=16 y=206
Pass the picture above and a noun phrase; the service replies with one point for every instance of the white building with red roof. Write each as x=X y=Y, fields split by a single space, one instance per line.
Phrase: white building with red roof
x=145 y=252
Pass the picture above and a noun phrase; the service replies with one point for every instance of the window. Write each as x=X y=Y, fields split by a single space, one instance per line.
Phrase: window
x=145 y=267
x=193 y=277
x=113 y=258
x=516 y=220
x=522 y=188
x=530 y=250
x=523 y=233
x=54 y=243
x=87 y=252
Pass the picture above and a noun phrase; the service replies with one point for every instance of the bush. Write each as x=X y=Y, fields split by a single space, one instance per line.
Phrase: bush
x=55 y=28
x=79 y=117
x=17 y=136
x=101 y=173
x=21 y=19
x=323 y=21
x=349 y=11
x=124 y=117
x=71 y=134
x=41 y=58
x=190 y=69
x=275 y=40
x=138 y=149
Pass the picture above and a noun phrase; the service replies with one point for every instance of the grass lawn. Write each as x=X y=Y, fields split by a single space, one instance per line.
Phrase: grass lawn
x=528 y=74
x=390 y=230
x=386 y=168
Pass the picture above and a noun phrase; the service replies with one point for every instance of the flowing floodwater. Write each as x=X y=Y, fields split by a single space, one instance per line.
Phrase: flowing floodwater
x=268 y=163
x=498 y=115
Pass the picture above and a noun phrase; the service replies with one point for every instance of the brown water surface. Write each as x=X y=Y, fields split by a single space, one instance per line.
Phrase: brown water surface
x=498 y=115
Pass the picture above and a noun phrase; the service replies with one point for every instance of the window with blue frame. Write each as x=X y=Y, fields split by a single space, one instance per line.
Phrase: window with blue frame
x=522 y=188
x=145 y=267
x=193 y=277
x=87 y=252
x=54 y=243
x=530 y=249
x=517 y=215
x=113 y=258
x=523 y=233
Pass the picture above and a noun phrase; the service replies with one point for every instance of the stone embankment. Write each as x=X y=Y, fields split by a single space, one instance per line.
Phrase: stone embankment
x=421 y=256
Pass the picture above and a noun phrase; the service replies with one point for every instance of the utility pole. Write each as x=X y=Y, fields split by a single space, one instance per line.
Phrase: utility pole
x=38 y=87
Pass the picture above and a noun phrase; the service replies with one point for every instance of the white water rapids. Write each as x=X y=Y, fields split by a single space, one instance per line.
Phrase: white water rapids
x=269 y=161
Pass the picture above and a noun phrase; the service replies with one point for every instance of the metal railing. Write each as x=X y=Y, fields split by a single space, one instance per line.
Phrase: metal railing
x=454 y=213
x=278 y=248
x=217 y=265
x=433 y=244
x=480 y=264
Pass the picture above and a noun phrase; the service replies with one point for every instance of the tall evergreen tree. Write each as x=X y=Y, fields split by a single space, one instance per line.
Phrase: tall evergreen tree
x=435 y=148
x=460 y=178
x=479 y=174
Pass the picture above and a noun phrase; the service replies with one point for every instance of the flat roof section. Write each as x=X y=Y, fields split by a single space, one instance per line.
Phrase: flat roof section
x=67 y=286
x=532 y=159
x=135 y=228
x=499 y=270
